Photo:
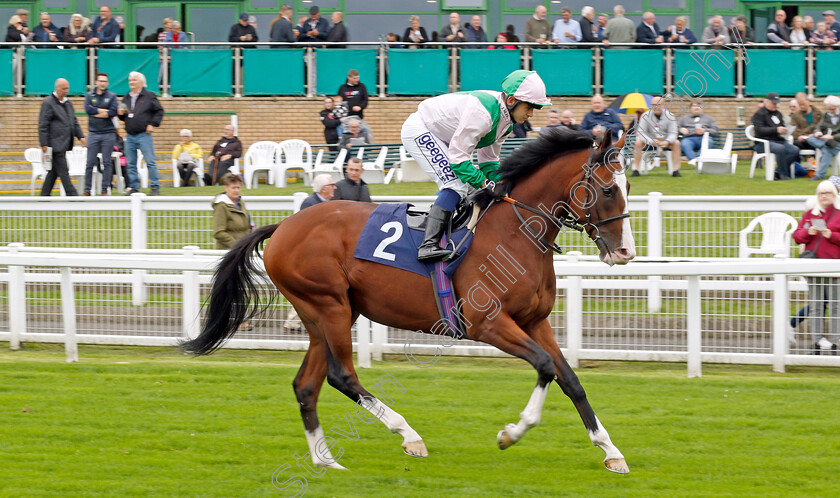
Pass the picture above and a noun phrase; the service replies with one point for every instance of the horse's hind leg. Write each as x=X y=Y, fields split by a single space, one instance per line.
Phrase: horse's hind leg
x=568 y=381
x=307 y=386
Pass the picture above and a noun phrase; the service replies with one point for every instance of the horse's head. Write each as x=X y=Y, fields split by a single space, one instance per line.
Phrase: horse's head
x=599 y=201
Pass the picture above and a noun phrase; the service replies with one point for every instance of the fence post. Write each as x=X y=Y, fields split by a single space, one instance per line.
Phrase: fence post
x=379 y=336
x=363 y=341
x=739 y=74
x=91 y=68
x=596 y=82
x=383 y=59
x=669 y=57
x=654 y=294
x=692 y=318
x=138 y=243
x=164 y=65
x=810 y=61
x=526 y=58
x=17 y=300
x=453 y=70
x=18 y=69
x=781 y=310
x=310 y=72
x=574 y=313
x=191 y=305
x=68 y=310
x=237 y=72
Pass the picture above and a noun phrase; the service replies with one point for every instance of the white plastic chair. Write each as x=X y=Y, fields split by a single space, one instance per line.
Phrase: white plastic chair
x=768 y=157
x=118 y=176
x=375 y=172
x=34 y=156
x=776 y=231
x=716 y=161
x=334 y=169
x=76 y=161
x=198 y=170
x=142 y=170
x=261 y=156
x=293 y=154
x=408 y=170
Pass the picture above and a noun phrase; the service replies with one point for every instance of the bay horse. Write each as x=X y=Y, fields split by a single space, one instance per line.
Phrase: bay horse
x=559 y=179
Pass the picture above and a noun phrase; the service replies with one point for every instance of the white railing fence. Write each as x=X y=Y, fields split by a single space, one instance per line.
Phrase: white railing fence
x=664 y=225
x=728 y=311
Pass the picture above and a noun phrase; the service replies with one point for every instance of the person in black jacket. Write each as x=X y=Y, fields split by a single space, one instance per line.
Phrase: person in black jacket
x=323 y=190
x=331 y=123
x=57 y=125
x=769 y=125
x=224 y=154
x=352 y=188
x=415 y=33
x=142 y=113
x=338 y=32
x=242 y=31
x=315 y=28
x=648 y=31
x=283 y=30
x=101 y=106
x=586 y=25
x=355 y=94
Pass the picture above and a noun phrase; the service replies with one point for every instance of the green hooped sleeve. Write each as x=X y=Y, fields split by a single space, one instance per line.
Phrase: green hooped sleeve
x=490 y=170
x=468 y=173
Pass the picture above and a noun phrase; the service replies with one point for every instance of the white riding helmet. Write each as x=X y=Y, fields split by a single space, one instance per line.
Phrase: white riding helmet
x=526 y=86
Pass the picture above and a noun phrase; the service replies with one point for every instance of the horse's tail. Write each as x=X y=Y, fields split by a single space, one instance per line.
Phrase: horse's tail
x=234 y=296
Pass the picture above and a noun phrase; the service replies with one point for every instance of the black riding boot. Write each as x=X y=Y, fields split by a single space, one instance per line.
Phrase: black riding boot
x=436 y=224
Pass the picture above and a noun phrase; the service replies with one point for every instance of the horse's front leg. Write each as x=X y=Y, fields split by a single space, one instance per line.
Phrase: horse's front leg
x=568 y=381
x=506 y=335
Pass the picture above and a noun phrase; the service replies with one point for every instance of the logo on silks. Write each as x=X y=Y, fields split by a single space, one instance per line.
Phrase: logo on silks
x=436 y=157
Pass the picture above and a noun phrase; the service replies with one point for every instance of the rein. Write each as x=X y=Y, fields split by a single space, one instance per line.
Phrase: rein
x=567 y=220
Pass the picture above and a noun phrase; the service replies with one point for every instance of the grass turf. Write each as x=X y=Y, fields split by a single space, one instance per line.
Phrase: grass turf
x=150 y=421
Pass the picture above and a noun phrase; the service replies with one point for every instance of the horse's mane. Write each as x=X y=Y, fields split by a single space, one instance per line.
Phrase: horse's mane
x=524 y=160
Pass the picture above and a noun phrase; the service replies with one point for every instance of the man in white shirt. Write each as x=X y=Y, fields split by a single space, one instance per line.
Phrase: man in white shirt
x=566 y=30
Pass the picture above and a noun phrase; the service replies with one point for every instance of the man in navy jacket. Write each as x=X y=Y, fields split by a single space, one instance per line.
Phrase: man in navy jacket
x=316 y=28
x=602 y=118
x=105 y=28
x=648 y=31
x=101 y=107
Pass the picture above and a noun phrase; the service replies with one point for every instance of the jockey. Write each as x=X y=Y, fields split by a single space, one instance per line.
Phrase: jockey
x=443 y=133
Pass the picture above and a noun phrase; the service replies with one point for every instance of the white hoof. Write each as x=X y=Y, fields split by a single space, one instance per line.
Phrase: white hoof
x=334 y=465
x=504 y=438
x=415 y=449
x=617 y=465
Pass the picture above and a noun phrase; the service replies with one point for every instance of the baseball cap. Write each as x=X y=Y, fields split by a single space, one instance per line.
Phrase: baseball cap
x=314 y=10
x=773 y=97
x=243 y=16
x=828 y=13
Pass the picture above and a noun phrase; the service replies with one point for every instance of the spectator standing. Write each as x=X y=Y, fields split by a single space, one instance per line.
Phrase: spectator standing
x=826 y=137
x=16 y=32
x=79 y=29
x=823 y=239
x=323 y=190
x=537 y=28
x=601 y=118
x=715 y=33
x=352 y=188
x=808 y=22
x=769 y=125
x=283 y=30
x=231 y=220
x=475 y=33
x=46 y=31
x=57 y=125
x=175 y=36
x=679 y=33
x=602 y=26
x=511 y=34
x=741 y=33
x=692 y=127
x=778 y=31
x=101 y=107
x=657 y=128
x=298 y=30
x=619 y=29
x=453 y=32
x=415 y=33
x=243 y=31
x=799 y=34
x=167 y=26
x=225 y=152
x=587 y=25
x=831 y=23
x=105 y=28
x=355 y=94
x=338 y=32
x=316 y=28
x=187 y=154
x=566 y=29
x=331 y=123
x=142 y=113
x=823 y=37
x=648 y=30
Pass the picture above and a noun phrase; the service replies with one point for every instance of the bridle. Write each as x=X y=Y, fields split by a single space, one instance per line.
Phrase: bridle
x=567 y=220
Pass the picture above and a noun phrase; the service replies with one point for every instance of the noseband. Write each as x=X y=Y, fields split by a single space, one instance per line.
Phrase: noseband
x=567 y=219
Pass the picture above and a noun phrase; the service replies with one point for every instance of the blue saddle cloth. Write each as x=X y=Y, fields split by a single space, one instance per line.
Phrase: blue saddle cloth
x=386 y=239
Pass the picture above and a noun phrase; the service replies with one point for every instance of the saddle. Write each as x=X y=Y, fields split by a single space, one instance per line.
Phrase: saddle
x=416 y=217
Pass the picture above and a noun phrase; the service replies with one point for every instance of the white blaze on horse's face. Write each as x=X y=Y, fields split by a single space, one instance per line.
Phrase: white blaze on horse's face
x=627 y=250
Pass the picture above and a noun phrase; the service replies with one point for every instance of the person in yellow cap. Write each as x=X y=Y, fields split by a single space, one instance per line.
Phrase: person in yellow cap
x=442 y=135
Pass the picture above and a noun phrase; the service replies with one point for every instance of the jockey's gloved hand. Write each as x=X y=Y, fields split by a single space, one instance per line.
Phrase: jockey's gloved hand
x=494 y=190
